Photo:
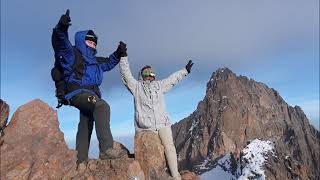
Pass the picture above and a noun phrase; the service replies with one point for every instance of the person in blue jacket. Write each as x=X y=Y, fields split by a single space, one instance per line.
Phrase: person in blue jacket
x=82 y=73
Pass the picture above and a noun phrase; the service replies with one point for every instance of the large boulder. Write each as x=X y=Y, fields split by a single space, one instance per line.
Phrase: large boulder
x=34 y=148
x=149 y=152
x=116 y=169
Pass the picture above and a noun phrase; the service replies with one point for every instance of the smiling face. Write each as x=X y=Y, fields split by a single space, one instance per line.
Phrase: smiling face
x=91 y=44
x=149 y=78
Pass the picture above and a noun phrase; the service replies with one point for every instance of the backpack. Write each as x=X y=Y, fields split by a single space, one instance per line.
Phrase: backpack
x=57 y=76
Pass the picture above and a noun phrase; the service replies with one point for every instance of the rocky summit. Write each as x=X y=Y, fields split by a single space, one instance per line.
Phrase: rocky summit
x=33 y=147
x=243 y=129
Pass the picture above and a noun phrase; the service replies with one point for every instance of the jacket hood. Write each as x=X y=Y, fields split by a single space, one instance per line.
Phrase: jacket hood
x=140 y=76
x=80 y=44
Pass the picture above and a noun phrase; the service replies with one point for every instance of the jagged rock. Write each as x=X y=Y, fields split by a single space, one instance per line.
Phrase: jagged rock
x=187 y=175
x=118 y=169
x=149 y=152
x=34 y=148
x=236 y=110
x=4 y=115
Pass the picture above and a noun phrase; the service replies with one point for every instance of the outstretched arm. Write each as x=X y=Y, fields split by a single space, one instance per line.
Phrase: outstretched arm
x=129 y=81
x=60 y=40
x=174 y=78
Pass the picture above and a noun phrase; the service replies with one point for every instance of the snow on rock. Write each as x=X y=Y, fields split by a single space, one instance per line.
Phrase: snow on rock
x=222 y=170
x=254 y=156
x=217 y=173
x=251 y=166
x=194 y=124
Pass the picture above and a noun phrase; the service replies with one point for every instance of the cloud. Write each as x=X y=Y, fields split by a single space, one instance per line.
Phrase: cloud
x=275 y=41
x=167 y=34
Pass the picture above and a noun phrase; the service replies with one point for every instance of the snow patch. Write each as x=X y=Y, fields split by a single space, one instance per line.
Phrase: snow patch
x=220 y=171
x=194 y=124
x=217 y=173
x=255 y=154
x=253 y=159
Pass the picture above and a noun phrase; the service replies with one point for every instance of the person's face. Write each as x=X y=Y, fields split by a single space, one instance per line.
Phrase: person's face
x=91 y=44
x=149 y=78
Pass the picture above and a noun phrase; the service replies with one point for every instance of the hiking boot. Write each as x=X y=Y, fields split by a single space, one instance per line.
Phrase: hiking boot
x=112 y=153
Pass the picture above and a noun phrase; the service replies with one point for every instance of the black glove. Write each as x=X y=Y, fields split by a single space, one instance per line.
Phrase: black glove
x=189 y=66
x=121 y=50
x=64 y=21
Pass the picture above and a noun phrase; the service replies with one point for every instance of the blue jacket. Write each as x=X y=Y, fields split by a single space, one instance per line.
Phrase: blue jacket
x=92 y=73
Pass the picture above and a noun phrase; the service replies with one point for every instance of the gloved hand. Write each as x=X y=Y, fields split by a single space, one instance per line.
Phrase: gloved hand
x=62 y=101
x=121 y=50
x=189 y=66
x=64 y=21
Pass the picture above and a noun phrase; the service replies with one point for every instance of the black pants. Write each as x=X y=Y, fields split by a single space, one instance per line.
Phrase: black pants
x=92 y=108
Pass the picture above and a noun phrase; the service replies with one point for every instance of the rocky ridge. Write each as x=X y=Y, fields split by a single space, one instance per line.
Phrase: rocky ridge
x=33 y=147
x=237 y=110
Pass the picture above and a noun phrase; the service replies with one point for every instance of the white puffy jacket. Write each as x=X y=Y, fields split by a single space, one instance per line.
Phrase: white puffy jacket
x=149 y=103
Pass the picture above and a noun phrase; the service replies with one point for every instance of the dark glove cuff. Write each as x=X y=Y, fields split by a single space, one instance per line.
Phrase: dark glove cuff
x=117 y=55
x=120 y=54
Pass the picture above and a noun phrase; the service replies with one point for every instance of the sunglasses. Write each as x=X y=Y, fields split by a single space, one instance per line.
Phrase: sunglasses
x=148 y=73
x=92 y=38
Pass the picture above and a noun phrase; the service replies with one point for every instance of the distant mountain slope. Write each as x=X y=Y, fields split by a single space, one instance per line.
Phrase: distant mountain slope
x=237 y=111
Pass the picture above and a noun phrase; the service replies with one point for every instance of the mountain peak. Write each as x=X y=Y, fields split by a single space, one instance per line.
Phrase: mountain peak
x=221 y=73
x=236 y=110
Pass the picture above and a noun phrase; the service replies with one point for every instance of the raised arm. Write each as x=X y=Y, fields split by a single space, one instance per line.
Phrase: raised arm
x=129 y=81
x=60 y=41
x=173 y=79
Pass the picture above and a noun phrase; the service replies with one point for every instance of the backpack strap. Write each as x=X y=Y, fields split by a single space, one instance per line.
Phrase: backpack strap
x=79 y=65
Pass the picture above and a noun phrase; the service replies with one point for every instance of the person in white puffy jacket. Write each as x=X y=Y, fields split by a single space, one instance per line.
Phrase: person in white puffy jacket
x=149 y=105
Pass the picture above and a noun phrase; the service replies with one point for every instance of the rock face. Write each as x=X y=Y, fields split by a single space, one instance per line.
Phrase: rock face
x=125 y=168
x=149 y=152
x=237 y=110
x=117 y=169
x=4 y=109
x=187 y=175
x=34 y=148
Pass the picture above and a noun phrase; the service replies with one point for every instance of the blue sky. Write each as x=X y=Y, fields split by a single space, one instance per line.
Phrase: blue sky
x=271 y=41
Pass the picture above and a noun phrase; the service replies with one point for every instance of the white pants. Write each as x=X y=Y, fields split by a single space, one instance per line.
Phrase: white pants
x=165 y=135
